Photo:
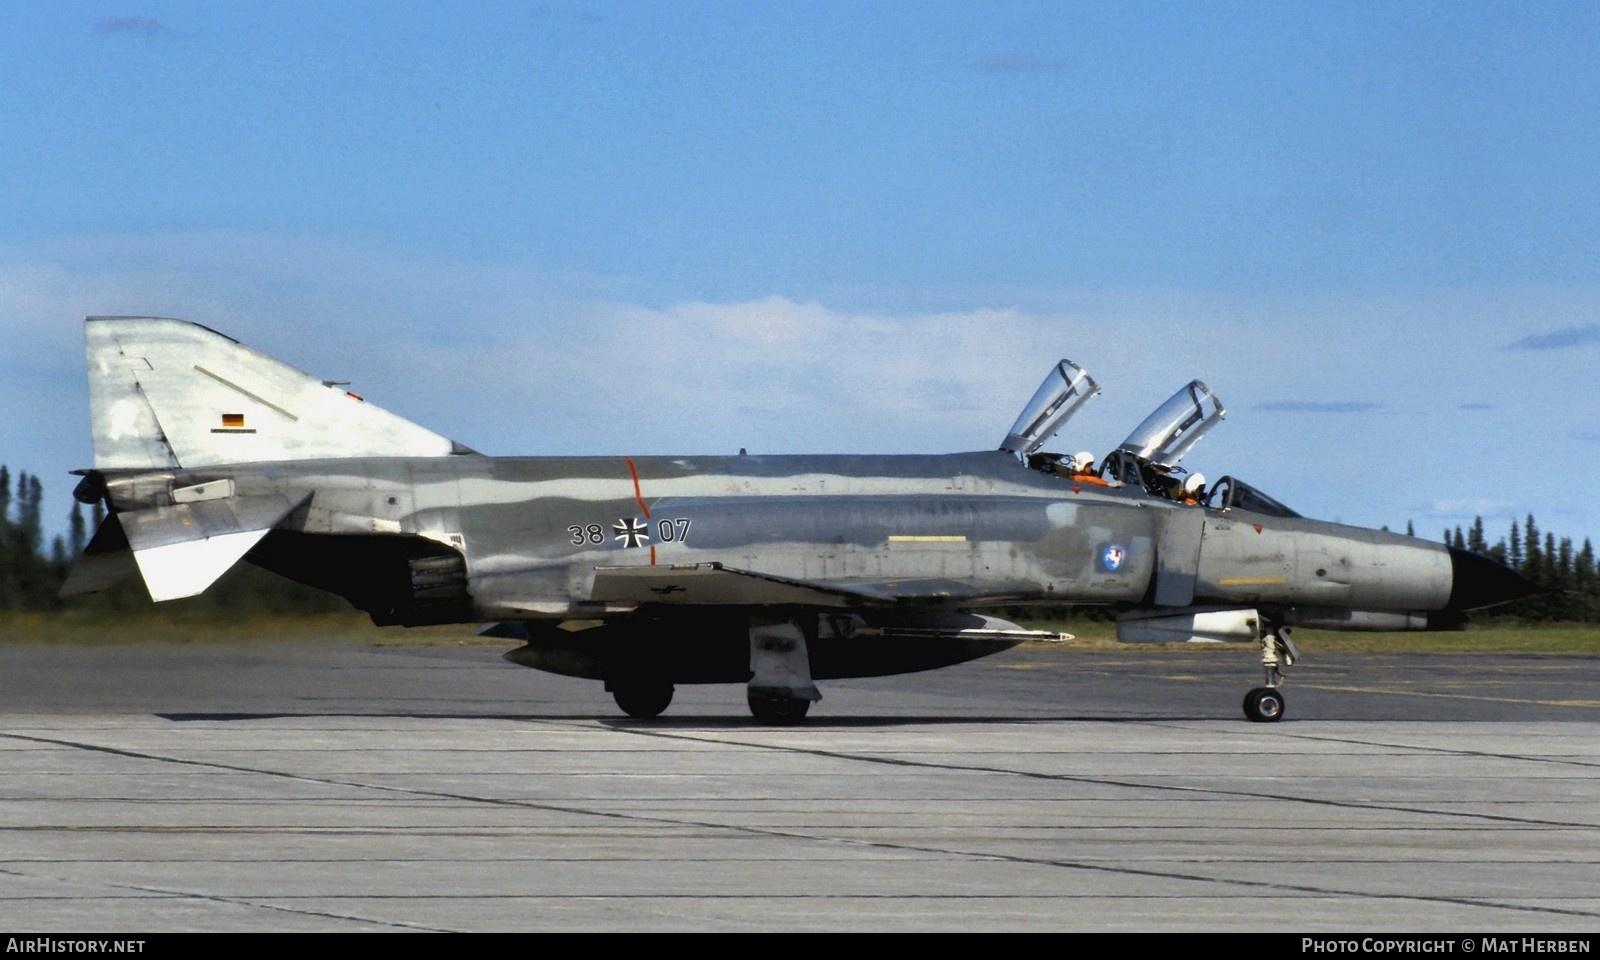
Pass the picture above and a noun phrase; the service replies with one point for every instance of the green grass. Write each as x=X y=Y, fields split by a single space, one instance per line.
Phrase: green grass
x=333 y=628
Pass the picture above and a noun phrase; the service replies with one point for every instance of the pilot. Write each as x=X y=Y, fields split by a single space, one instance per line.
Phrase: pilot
x=1194 y=489
x=1080 y=469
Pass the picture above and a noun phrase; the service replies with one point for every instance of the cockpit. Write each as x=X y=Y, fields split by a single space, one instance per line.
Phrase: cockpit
x=1231 y=492
x=1148 y=459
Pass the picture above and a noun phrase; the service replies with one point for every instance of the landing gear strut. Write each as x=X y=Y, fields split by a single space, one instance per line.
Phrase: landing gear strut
x=1278 y=653
x=780 y=689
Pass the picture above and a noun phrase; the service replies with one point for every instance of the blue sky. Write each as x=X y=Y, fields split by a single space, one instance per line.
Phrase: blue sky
x=1372 y=228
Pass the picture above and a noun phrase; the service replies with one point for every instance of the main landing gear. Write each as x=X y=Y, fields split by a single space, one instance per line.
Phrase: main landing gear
x=778 y=711
x=1278 y=653
x=645 y=701
x=642 y=699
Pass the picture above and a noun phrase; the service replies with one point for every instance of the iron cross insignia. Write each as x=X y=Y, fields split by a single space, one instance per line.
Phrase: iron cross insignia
x=631 y=532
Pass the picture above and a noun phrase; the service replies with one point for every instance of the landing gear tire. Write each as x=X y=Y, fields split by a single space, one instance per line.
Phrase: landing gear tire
x=642 y=701
x=778 y=711
x=1263 y=705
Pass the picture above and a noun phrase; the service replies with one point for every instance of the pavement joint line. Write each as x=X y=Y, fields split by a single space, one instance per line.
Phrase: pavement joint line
x=161 y=892
x=1134 y=784
x=1450 y=751
x=1119 y=870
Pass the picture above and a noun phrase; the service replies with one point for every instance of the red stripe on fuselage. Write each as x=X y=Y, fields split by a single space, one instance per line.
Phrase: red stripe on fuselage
x=638 y=497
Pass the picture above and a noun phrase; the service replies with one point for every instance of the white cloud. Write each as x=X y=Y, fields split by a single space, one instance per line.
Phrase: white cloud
x=1472 y=506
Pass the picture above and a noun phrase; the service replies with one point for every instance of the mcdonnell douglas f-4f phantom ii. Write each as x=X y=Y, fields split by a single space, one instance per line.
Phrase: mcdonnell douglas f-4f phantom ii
x=772 y=571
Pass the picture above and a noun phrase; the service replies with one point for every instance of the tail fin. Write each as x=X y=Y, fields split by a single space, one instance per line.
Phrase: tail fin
x=167 y=393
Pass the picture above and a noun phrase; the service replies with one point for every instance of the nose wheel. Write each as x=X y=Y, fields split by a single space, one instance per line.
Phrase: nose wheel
x=1263 y=705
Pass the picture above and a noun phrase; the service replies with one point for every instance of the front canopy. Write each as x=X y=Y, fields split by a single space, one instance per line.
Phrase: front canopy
x=1064 y=390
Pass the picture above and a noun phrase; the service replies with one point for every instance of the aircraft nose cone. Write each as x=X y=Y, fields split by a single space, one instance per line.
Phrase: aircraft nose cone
x=1478 y=582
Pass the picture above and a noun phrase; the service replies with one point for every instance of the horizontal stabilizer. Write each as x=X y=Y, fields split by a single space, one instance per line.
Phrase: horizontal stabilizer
x=182 y=549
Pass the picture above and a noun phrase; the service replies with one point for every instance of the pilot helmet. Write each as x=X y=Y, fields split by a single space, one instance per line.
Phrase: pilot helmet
x=1195 y=483
x=1081 y=462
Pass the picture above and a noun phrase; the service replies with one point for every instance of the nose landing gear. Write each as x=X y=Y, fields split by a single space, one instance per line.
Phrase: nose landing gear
x=1278 y=653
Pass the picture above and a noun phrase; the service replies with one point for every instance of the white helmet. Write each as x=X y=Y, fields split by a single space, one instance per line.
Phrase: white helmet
x=1081 y=462
x=1194 y=484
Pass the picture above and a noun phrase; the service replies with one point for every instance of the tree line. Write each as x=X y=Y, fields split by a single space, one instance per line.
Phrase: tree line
x=31 y=572
x=1567 y=574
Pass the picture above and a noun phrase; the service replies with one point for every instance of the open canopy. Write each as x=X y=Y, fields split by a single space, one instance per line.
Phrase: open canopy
x=1168 y=433
x=1063 y=391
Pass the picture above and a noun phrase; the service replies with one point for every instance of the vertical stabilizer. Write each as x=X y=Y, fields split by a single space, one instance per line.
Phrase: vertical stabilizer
x=167 y=393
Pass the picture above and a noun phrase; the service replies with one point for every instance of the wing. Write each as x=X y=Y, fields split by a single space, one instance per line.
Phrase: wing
x=716 y=584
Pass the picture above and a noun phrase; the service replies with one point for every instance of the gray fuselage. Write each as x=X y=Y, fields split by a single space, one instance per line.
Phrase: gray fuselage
x=532 y=532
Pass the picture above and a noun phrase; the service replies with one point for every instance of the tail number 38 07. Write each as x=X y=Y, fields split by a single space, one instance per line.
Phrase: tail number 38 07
x=634 y=532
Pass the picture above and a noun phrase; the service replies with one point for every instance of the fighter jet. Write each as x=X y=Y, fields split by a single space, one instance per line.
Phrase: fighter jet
x=771 y=571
